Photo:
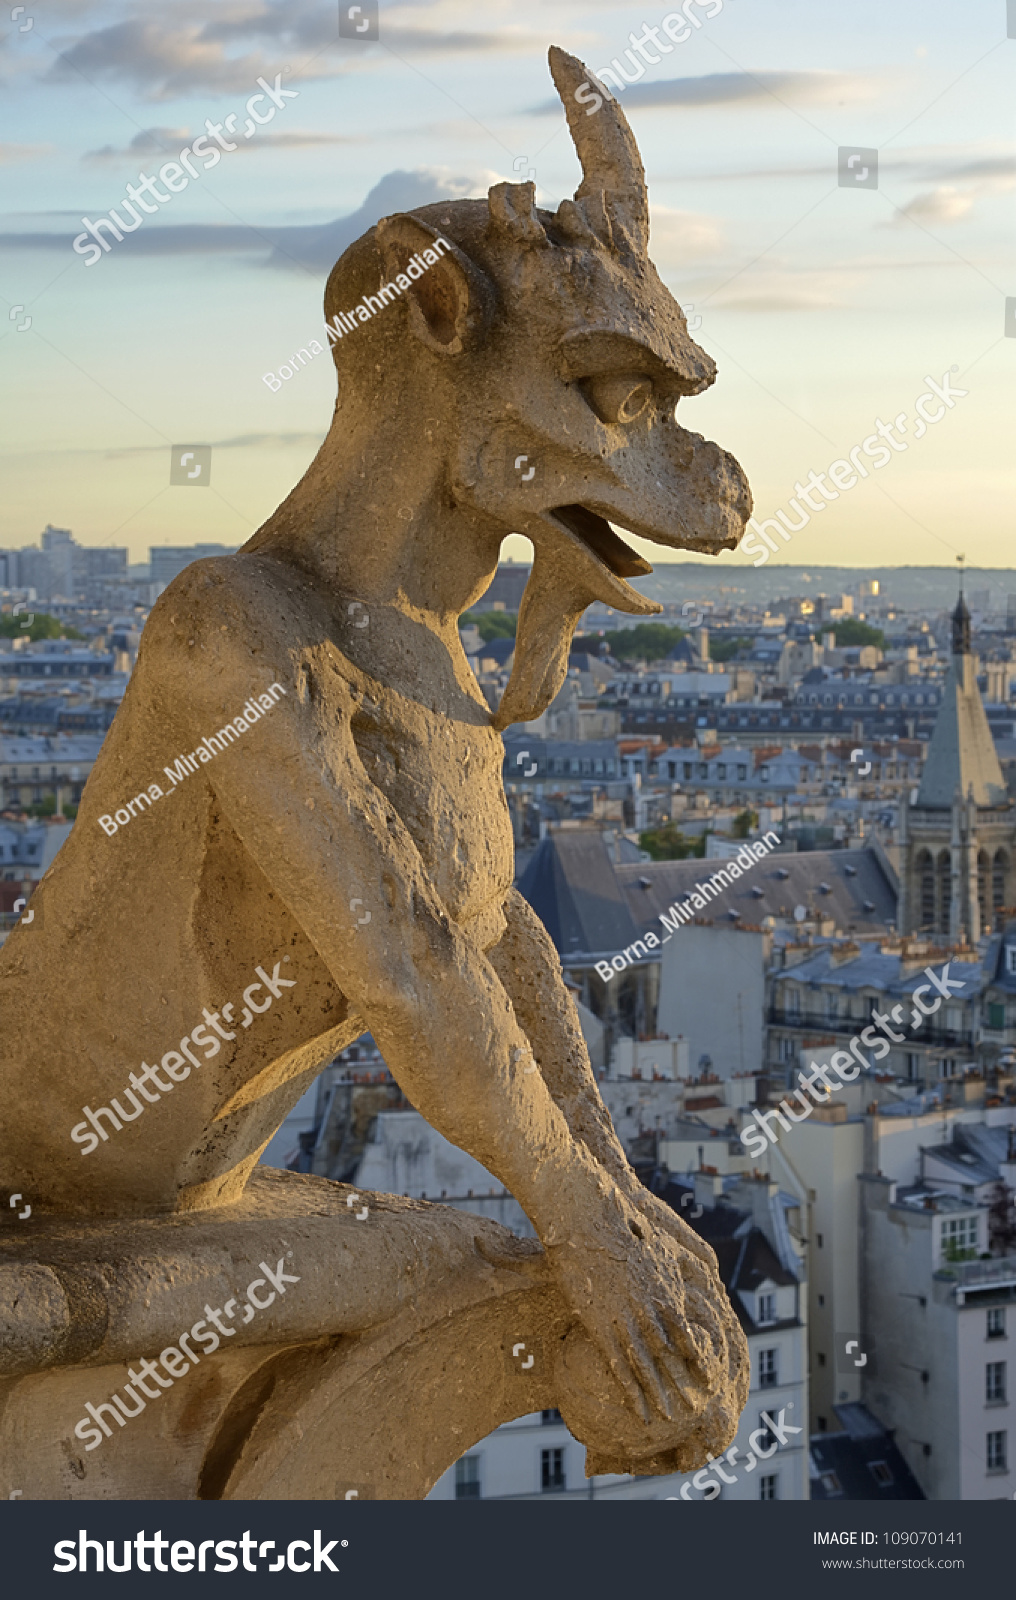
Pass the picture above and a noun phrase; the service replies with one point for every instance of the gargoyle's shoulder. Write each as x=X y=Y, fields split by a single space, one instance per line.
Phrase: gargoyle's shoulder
x=246 y=598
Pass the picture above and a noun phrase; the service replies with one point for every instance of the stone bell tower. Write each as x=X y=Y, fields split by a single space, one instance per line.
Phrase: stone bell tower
x=958 y=841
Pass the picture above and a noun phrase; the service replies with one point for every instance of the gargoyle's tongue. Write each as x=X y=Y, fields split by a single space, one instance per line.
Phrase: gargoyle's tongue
x=573 y=547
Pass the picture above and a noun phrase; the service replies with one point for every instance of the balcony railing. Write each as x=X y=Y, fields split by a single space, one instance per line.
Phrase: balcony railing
x=927 y=1035
x=980 y=1274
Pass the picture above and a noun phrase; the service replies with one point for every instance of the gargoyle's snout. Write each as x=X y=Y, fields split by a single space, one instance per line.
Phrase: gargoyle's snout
x=680 y=491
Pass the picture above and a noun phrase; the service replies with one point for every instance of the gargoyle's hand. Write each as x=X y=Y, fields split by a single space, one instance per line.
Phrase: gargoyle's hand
x=670 y=1222
x=655 y=1310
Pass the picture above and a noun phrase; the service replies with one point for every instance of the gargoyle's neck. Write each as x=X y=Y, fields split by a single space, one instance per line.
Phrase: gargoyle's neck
x=373 y=519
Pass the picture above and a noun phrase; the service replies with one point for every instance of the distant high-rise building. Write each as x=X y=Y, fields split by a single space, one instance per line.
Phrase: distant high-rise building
x=63 y=569
x=169 y=560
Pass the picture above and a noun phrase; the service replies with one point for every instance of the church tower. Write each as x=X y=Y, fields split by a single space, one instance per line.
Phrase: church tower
x=958 y=841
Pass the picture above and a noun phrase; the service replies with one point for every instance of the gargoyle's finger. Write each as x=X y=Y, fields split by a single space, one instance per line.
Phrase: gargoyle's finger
x=684 y=1345
x=653 y=1330
x=644 y=1367
x=619 y=1365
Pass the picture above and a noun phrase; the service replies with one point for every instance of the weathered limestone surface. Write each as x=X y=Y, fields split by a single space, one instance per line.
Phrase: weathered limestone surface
x=353 y=843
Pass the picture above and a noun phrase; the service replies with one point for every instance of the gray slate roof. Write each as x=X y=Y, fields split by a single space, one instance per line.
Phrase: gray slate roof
x=806 y=874
x=872 y=969
x=590 y=905
x=571 y=883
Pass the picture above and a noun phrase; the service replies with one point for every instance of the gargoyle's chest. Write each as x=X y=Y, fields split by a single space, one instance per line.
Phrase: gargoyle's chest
x=444 y=778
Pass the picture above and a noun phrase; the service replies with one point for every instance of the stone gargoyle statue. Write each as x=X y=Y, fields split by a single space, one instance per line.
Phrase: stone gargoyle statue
x=317 y=820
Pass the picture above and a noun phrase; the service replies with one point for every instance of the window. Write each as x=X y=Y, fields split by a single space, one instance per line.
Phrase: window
x=721 y=770
x=994 y=1382
x=821 y=1359
x=830 y=1483
x=949 y=1067
x=552 y=1470
x=996 y=1015
x=996 y=1322
x=997 y=1452
x=793 y=995
x=766 y=1308
x=913 y=1065
x=742 y=772
x=819 y=1240
x=959 y=1238
x=687 y=769
x=768 y=1368
x=768 y=1486
x=881 y=1474
x=467 y=1478
x=552 y=1416
x=1010 y=959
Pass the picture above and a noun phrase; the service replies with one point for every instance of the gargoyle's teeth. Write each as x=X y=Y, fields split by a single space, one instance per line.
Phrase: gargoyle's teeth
x=598 y=536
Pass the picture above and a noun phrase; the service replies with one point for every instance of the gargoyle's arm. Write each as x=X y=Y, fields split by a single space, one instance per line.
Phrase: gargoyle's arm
x=528 y=966
x=530 y=970
x=335 y=849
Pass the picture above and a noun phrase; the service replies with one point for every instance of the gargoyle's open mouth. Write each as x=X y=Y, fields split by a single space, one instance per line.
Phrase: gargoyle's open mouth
x=598 y=536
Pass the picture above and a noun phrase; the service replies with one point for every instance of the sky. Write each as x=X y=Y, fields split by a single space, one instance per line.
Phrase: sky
x=825 y=305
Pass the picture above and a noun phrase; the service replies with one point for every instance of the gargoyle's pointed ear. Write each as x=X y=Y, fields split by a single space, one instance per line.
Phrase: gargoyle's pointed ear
x=451 y=300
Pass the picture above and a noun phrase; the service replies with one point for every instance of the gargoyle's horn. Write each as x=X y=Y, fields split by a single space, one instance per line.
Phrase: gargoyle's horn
x=611 y=164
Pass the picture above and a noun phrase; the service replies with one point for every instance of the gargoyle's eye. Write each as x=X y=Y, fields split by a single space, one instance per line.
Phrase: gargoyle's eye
x=619 y=397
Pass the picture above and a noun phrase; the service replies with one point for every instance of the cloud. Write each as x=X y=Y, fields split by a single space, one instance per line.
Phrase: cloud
x=239 y=441
x=309 y=24
x=167 y=141
x=677 y=237
x=315 y=248
x=988 y=171
x=165 y=63
x=320 y=247
x=161 y=63
x=728 y=88
x=150 y=141
x=936 y=207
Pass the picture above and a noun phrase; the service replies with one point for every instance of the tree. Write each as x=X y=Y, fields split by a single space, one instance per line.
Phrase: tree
x=726 y=649
x=492 y=624
x=743 y=823
x=851 y=631
x=647 y=641
x=668 y=843
x=43 y=626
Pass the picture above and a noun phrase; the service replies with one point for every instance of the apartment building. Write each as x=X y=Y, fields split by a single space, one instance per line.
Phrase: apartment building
x=939 y=1302
x=36 y=769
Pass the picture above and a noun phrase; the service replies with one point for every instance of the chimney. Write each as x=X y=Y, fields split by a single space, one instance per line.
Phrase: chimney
x=708 y=1189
